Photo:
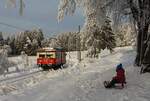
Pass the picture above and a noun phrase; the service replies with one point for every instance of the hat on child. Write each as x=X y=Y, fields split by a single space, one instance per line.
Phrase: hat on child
x=119 y=66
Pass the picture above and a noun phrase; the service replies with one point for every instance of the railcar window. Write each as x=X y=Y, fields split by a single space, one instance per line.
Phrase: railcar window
x=58 y=54
x=49 y=56
x=42 y=56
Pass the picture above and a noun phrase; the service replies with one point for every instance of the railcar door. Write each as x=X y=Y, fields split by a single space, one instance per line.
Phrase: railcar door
x=63 y=57
x=58 y=57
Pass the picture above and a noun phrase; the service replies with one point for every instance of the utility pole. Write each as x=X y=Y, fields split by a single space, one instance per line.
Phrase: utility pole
x=78 y=45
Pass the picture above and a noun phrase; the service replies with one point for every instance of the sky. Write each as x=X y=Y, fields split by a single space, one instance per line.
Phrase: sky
x=38 y=14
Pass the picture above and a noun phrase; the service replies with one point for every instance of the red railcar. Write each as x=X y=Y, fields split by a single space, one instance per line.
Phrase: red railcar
x=51 y=58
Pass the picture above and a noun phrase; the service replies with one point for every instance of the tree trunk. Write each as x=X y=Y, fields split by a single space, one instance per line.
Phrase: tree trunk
x=146 y=54
x=139 y=36
x=141 y=14
x=141 y=45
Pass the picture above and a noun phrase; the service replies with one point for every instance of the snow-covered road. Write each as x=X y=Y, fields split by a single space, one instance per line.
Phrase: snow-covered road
x=84 y=82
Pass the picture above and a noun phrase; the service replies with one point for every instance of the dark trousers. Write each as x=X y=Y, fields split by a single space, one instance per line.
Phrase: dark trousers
x=112 y=83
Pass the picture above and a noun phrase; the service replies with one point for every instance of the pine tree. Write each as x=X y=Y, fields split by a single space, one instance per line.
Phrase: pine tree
x=1 y=39
x=94 y=42
x=11 y=43
x=100 y=39
x=108 y=37
x=8 y=40
x=40 y=37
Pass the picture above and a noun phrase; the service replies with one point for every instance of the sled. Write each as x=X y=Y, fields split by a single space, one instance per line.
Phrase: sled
x=116 y=86
x=106 y=83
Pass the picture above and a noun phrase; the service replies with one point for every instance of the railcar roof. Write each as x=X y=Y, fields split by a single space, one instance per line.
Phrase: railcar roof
x=50 y=49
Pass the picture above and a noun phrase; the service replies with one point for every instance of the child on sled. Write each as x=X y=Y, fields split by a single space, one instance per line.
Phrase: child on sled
x=119 y=78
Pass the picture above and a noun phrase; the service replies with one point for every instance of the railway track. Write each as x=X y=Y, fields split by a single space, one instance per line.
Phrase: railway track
x=24 y=76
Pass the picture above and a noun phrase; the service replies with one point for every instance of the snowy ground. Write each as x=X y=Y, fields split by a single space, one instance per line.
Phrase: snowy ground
x=83 y=81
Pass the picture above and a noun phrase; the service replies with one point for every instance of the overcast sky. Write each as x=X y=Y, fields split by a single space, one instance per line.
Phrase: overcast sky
x=38 y=13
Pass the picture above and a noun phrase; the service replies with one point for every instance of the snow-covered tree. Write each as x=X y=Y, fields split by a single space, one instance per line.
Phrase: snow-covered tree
x=1 y=39
x=39 y=36
x=125 y=35
x=108 y=37
x=62 y=40
x=98 y=39
x=20 y=42
x=94 y=11
x=28 y=41
x=140 y=11
x=1 y=36
x=72 y=41
x=11 y=43
x=4 y=62
x=12 y=3
x=33 y=41
x=67 y=41
x=45 y=42
x=141 y=14
x=95 y=17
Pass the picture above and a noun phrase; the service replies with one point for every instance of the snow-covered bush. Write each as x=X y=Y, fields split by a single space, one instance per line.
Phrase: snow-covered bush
x=24 y=58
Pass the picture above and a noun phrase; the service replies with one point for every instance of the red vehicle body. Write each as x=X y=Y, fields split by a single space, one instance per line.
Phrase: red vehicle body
x=51 y=57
